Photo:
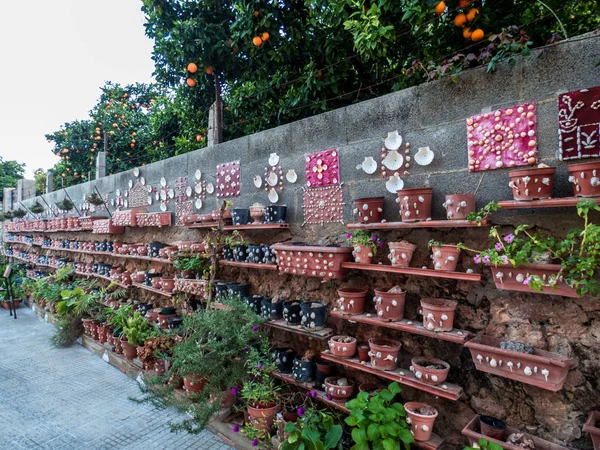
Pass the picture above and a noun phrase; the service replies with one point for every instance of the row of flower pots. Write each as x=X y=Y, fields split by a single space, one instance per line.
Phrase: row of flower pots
x=59 y=224
x=299 y=258
x=256 y=214
x=257 y=254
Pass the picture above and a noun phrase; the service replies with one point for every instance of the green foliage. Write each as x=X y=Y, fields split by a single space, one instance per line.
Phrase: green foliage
x=68 y=329
x=485 y=445
x=137 y=329
x=235 y=238
x=260 y=387
x=40 y=176
x=378 y=423
x=37 y=208
x=483 y=214
x=65 y=205
x=361 y=237
x=77 y=302
x=315 y=430
x=194 y=262
x=10 y=173
x=19 y=213
x=119 y=319
x=94 y=199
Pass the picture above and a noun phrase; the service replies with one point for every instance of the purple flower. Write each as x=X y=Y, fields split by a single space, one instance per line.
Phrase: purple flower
x=300 y=411
x=234 y=390
x=259 y=366
x=379 y=244
x=247 y=348
x=348 y=236
x=236 y=428
x=373 y=237
x=329 y=397
x=486 y=259
x=526 y=281
x=255 y=328
x=498 y=246
x=509 y=238
x=255 y=442
x=504 y=259
x=477 y=259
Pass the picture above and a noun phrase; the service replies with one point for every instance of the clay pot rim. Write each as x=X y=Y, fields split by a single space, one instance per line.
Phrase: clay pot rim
x=292 y=303
x=492 y=425
x=385 y=291
x=455 y=246
x=351 y=383
x=369 y=200
x=270 y=408
x=439 y=304
x=352 y=291
x=311 y=248
x=363 y=387
x=422 y=190
x=409 y=405
x=304 y=302
x=343 y=336
x=533 y=171
x=379 y=342
x=461 y=195
x=590 y=165
x=418 y=361
x=401 y=244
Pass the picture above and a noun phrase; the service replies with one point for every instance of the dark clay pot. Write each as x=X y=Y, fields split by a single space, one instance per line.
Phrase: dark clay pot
x=154 y=249
x=291 y=312
x=270 y=310
x=237 y=289
x=255 y=254
x=221 y=289
x=143 y=308
x=240 y=216
x=303 y=370
x=255 y=303
x=275 y=213
x=268 y=255
x=492 y=427
x=174 y=322
x=314 y=314
x=320 y=380
x=284 y=359
x=228 y=253
x=240 y=253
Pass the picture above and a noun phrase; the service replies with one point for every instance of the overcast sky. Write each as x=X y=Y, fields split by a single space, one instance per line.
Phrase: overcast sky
x=54 y=56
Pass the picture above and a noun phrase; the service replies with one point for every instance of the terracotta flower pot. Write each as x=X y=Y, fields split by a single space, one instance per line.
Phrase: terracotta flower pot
x=339 y=392
x=159 y=366
x=363 y=353
x=87 y=326
x=458 y=206
x=263 y=418
x=438 y=313
x=384 y=353
x=371 y=388
x=139 y=349
x=342 y=349
x=352 y=300
x=430 y=370
x=492 y=427
x=415 y=204
x=445 y=258
x=389 y=305
x=156 y=283
x=94 y=329
x=102 y=334
x=324 y=367
x=369 y=210
x=401 y=253
x=585 y=178
x=194 y=383
x=362 y=254
x=130 y=351
x=531 y=184
x=312 y=261
x=591 y=427
x=167 y=284
x=512 y=278
x=421 y=424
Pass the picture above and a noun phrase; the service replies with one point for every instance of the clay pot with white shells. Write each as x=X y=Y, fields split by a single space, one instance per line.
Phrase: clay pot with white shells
x=339 y=388
x=420 y=418
x=369 y=210
x=532 y=184
x=362 y=254
x=445 y=257
x=384 y=353
x=351 y=300
x=342 y=346
x=401 y=253
x=585 y=178
x=459 y=206
x=415 y=204
x=430 y=370
x=438 y=313
x=389 y=303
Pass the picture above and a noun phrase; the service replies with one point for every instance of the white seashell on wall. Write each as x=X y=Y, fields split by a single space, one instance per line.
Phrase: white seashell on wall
x=273 y=159
x=393 y=141
x=291 y=176
x=257 y=181
x=424 y=156
x=369 y=165
x=273 y=196
x=395 y=183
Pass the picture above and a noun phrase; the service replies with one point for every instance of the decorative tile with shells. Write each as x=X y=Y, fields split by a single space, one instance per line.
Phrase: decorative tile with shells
x=391 y=157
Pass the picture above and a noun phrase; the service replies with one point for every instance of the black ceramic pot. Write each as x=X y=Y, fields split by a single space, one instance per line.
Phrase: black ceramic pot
x=291 y=312
x=174 y=322
x=237 y=290
x=143 y=308
x=168 y=311
x=255 y=254
x=240 y=253
x=149 y=277
x=270 y=310
x=255 y=303
x=303 y=370
x=275 y=213
x=240 y=216
x=154 y=249
x=268 y=255
x=228 y=253
x=314 y=314
x=221 y=289
x=320 y=380
x=284 y=359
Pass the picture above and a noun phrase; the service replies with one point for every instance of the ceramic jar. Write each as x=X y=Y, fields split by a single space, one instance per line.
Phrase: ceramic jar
x=531 y=184
x=438 y=313
x=415 y=204
x=585 y=178
x=369 y=210
x=459 y=206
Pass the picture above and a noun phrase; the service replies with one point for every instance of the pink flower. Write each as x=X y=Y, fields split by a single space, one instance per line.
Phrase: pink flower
x=255 y=328
x=348 y=236
x=526 y=281
x=329 y=397
x=379 y=244
x=373 y=237
x=509 y=238
x=498 y=246
x=504 y=259
x=486 y=259
x=236 y=428
x=477 y=259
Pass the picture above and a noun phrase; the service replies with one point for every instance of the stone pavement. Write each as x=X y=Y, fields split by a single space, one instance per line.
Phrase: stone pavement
x=67 y=399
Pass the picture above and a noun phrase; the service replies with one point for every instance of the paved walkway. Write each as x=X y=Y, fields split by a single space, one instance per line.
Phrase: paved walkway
x=67 y=399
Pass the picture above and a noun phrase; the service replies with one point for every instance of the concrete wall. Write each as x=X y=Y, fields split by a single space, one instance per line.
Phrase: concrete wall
x=432 y=115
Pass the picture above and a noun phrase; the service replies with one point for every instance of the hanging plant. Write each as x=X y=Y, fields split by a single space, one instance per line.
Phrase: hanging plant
x=95 y=199
x=19 y=213
x=37 y=208
x=7 y=216
x=65 y=205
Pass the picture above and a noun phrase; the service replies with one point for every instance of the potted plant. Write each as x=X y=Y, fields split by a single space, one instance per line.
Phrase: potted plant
x=377 y=421
x=19 y=213
x=369 y=210
x=238 y=246
x=135 y=332
x=65 y=205
x=483 y=444
x=312 y=260
x=314 y=429
x=94 y=199
x=421 y=418
x=530 y=262
x=480 y=217
x=364 y=246
x=339 y=388
x=430 y=370
x=445 y=256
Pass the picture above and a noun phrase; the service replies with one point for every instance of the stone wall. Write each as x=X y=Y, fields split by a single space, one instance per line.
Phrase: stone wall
x=432 y=115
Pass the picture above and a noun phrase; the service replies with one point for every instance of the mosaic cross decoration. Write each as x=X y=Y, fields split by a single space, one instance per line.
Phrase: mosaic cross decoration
x=323 y=168
x=502 y=139
x=579 y=124
x=323 y=205
x=138 y=196
x=182 y=209
x=228 y=179
x=180 y=188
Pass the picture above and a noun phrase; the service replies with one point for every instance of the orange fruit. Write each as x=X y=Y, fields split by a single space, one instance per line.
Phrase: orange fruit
x=191 y=82
x=477 y=35
x=320 y=74
x=192 y=68
x=463 y=3
x=440 y=8
x=460 y=20
x=467 y=33
x=132 y=145
x=255 y=13
x=230 y=42
x=257 y=41
x=209 y=70
x=471 y=14
x=134 y=134
x=199 y=137
x=265 y=36
x=235 y=50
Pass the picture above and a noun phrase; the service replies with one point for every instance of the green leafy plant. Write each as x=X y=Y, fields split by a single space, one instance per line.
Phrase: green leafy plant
x=19 y=213
x=94 y=199
x=314 y=430
x=361 y=237
x=479 y=217
x=235 y=238
x=118 y=321
x=65 y=205
x=378 y=423
x=36 y=208
x=260 y=389
x=137 y=329
x=193 y=262
x=434 y=243
x=578 y=253
x=484 y=444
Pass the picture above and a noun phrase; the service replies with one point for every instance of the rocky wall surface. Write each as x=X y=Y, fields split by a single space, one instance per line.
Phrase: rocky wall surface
x=428 y=115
